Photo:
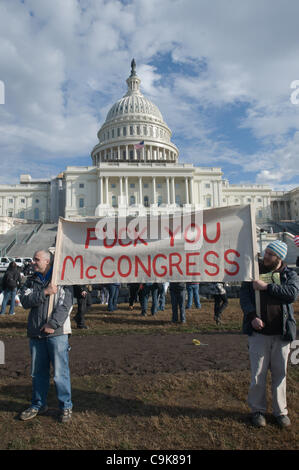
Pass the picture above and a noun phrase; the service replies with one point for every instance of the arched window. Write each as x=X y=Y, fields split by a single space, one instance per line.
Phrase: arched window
x=36 y=213
x=114 y=201
x=146 y=201
x=132 y=200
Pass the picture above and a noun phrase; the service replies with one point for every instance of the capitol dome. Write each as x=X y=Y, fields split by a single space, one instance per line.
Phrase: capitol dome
x=134 y=129
x=134 y=102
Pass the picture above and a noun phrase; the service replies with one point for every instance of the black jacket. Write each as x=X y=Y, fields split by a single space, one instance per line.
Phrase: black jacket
x=11 y=279
x=287 y=292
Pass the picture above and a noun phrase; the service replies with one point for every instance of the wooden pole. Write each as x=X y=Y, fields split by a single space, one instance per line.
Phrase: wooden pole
x=255 y=261
x=55 y=264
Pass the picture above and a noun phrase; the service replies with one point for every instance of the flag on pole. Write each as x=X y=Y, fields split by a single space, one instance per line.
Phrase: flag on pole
x=140 y=145
x=296 y=240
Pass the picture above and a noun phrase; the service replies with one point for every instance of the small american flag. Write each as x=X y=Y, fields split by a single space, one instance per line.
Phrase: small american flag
x=140 y=145
x=296 y=240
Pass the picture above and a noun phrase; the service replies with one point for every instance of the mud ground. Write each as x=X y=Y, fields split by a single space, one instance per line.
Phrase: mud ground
x=138 y=354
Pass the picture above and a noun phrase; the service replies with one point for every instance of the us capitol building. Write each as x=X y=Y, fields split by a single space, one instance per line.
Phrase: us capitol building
x=136 y=164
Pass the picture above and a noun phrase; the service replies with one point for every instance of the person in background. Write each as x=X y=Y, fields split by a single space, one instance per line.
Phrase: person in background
x=193 y=293
x=113 y=290
x=10 y=283
x=177 y=296
x=161 y=296
x=220 y=301
x=103 y=294
x=133 y=294
x=270 y=332
x=81 y=294
x=145 y=290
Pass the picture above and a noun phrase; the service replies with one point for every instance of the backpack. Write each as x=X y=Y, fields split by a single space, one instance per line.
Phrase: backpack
x=10 y=280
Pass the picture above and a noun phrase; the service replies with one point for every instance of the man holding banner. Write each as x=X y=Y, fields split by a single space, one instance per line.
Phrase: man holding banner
x=270 y=331
x=48 y=329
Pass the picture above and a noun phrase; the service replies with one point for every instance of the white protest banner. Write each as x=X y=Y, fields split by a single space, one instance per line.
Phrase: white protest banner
x=216 y=245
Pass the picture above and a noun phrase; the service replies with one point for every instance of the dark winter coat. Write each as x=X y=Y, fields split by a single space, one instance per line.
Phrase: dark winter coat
x=33 y=297
x=286 y=293
x=11 y=279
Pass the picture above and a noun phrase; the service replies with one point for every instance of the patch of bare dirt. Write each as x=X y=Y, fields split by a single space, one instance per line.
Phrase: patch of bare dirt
x=138 y=354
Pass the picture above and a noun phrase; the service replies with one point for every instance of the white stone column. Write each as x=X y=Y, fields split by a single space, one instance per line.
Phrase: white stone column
x=215 y=194
x=140 y=189
x=167 y=188
x=69 y=194
x=118 y=152
x=191 y=191
x=187 y=190
x=100 y=190
x=154 y=190
x=127 y=190
x=120 y=190
x=172 y=190
x=107 y=189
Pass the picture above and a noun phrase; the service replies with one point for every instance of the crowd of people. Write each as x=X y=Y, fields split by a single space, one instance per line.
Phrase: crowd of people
x=269 y=324
x=182 y=296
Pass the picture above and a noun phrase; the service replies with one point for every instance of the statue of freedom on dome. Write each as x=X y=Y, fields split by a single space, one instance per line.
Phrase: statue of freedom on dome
x=133 y=67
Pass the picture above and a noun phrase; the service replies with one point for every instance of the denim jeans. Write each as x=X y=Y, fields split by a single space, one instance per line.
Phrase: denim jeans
x=9 y=294
x=178 y=302
x=193 y=291
x=161 y=296
x=45 y=351
x=144 y=297
x=113 y=297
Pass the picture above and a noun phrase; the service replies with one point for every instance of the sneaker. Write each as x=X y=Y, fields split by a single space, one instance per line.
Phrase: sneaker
x=31 y=413
x=12 y=313
x=66 y=416
x=283 y=421
x=258 y=420
x=131 y=307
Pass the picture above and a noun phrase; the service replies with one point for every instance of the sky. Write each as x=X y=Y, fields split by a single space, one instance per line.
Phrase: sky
x=221 y=73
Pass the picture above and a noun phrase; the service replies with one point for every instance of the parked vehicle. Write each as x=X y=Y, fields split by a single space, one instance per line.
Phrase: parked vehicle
x=4 y=263
x=19 y=262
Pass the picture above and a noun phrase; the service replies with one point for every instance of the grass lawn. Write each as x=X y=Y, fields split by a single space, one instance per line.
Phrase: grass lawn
x=183 y=410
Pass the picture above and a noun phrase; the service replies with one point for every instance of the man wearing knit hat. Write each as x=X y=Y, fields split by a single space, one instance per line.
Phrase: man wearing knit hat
x=270 y=331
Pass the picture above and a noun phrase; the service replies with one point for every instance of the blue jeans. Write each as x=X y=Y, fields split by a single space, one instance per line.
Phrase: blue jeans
x=9 y=294
x=178 y=302
x=193 y=291
x=45 y=351
x=144 y=298
x=161 y=297
x=113 y=297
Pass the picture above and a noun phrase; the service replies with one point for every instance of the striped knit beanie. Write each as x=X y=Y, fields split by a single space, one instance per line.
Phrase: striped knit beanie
x=279 y=248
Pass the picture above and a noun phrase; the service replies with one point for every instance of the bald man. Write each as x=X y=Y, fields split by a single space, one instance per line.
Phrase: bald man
x=48 y=333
